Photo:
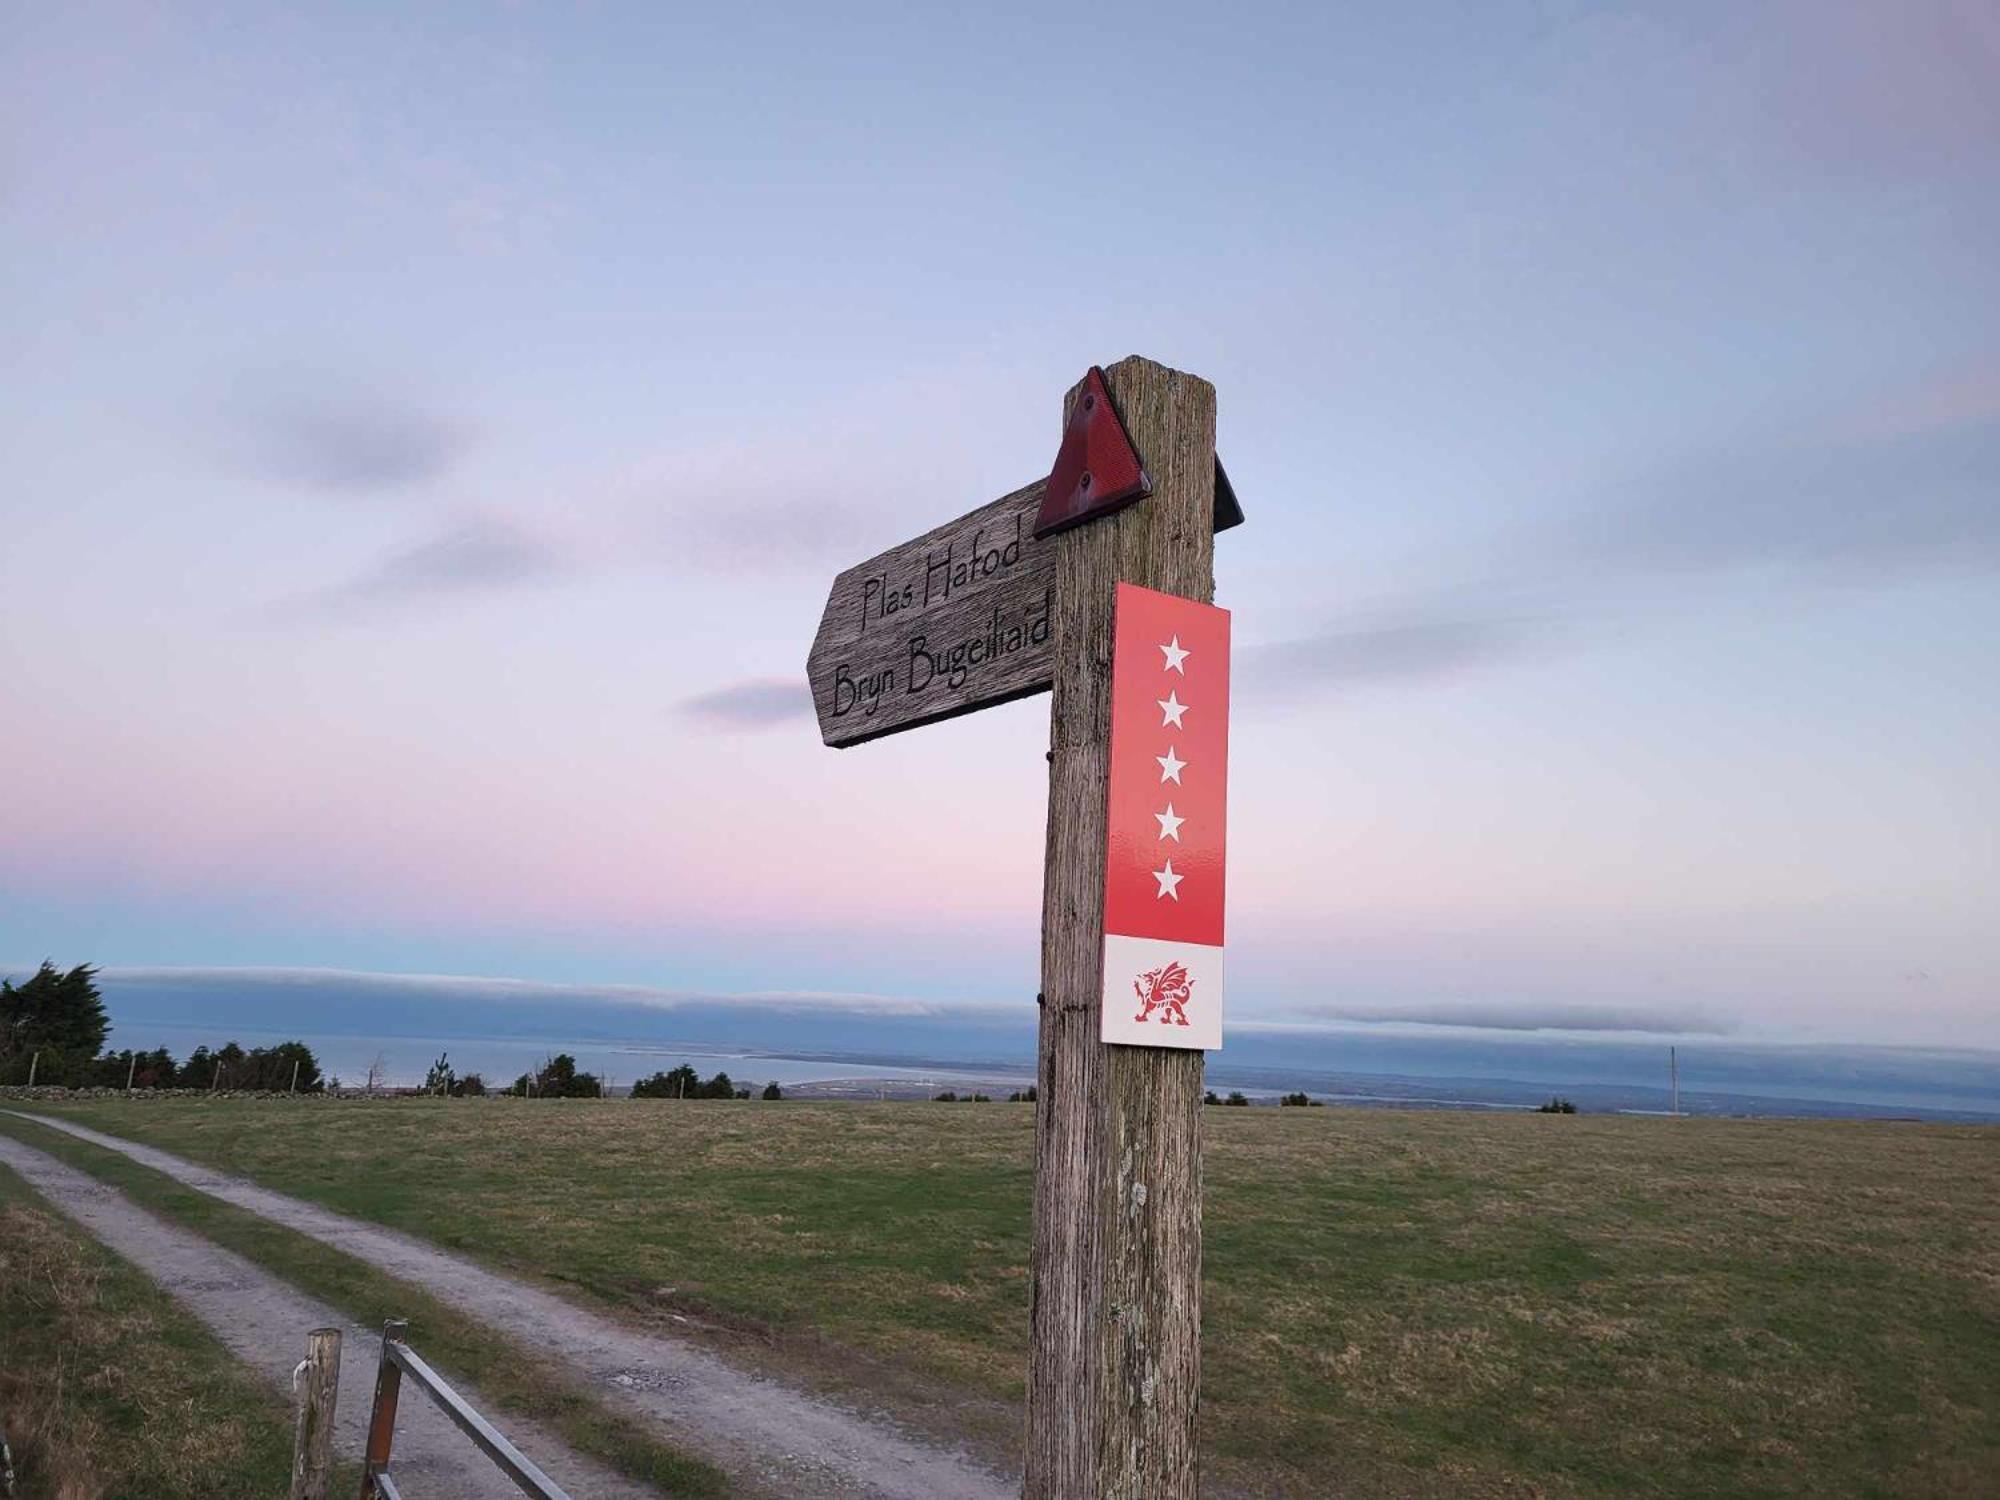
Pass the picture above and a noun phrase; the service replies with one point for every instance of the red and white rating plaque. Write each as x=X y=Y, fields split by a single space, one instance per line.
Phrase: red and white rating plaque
x=1163 y=868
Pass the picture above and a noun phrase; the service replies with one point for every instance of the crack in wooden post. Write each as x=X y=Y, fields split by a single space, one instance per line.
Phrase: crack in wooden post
x=316 y=1388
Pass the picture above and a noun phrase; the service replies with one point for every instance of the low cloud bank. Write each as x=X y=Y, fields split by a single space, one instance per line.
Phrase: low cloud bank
x=1662 y=1020
x=300 y=985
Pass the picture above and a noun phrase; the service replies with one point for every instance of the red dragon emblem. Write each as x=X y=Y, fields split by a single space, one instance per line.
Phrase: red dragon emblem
x=1165 y=989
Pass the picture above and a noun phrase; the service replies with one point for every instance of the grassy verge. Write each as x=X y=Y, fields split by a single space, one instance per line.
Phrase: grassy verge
x=107 y=1388
x=505 y=1372
x=1394 y=1304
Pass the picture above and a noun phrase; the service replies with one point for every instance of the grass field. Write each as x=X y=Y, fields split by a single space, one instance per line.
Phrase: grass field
x=109 y=1390
x=1396 y=1303
x=465 y=1348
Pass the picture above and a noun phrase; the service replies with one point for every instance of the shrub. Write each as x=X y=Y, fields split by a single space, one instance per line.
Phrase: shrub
x=684 y=1083
x=1298 y=1101
x=558 y=1079
x=772 y=1091
x=1556 y=1106
x=1235 y=1097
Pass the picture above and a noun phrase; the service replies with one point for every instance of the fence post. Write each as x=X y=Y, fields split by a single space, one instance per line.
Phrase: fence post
x=34 y=1063
x=316 y=1384
x=382 y=1421
x=131 y=1068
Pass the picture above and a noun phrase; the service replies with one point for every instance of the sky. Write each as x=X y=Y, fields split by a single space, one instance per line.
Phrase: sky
x=430 y=433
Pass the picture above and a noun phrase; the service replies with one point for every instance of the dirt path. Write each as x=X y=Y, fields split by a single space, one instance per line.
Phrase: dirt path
x=264 y=1323
x=769 y=1434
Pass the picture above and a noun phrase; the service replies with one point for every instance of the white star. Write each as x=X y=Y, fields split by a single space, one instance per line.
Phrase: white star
x=1171 y=709
x=1170 y=766
x=1170 y=883
x=1175 y=656
x=1170 y=826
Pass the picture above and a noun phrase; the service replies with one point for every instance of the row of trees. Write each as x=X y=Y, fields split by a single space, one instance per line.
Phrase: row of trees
x=558 y=1078
x=230 y=1066
x=53 y=1026
x=684 y=1083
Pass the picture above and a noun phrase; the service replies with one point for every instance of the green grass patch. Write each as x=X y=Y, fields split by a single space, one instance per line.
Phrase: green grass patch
x=109 y=1389
x=506 y=1373
x=1394 y=1304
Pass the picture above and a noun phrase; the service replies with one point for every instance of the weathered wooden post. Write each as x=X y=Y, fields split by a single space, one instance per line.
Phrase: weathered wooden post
x=34 y=1063
x=1115 y=1372
x=1027 y=593
x=131 y=1068
x=316 y=1389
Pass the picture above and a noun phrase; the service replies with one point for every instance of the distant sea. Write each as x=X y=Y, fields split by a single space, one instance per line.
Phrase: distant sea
x=834 y=1045
x=499 y=1060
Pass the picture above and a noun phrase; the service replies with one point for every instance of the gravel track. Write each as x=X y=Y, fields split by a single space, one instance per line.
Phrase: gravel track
x=771 y=1437
x=264 y=1322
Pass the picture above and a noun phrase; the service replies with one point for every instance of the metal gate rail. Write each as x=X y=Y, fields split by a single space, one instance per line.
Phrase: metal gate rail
x=398 y=1360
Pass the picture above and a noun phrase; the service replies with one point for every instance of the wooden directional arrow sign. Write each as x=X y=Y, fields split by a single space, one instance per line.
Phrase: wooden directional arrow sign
x=961 y=618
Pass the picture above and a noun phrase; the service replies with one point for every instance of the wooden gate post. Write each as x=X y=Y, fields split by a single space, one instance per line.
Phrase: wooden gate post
x=382 y=1416
x=316 y=1388
x=1115 y=1373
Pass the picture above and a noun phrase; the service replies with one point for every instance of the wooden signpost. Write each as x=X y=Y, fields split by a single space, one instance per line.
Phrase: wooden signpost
x=981 y=611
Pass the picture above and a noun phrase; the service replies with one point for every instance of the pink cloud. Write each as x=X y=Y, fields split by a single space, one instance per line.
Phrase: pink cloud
x=1857 y=85
x=1960 y=397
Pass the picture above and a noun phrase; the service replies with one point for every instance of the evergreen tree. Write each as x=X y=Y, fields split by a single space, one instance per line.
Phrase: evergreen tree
x=52 y=1012
x=229 y=1070
x=155 y=1070
x=441 y=1077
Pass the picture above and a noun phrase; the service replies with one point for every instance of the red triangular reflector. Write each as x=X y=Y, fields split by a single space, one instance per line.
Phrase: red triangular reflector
x=1097 y=471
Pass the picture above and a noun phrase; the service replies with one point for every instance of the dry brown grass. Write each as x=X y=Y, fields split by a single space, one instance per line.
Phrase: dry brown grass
x=107 y=1390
